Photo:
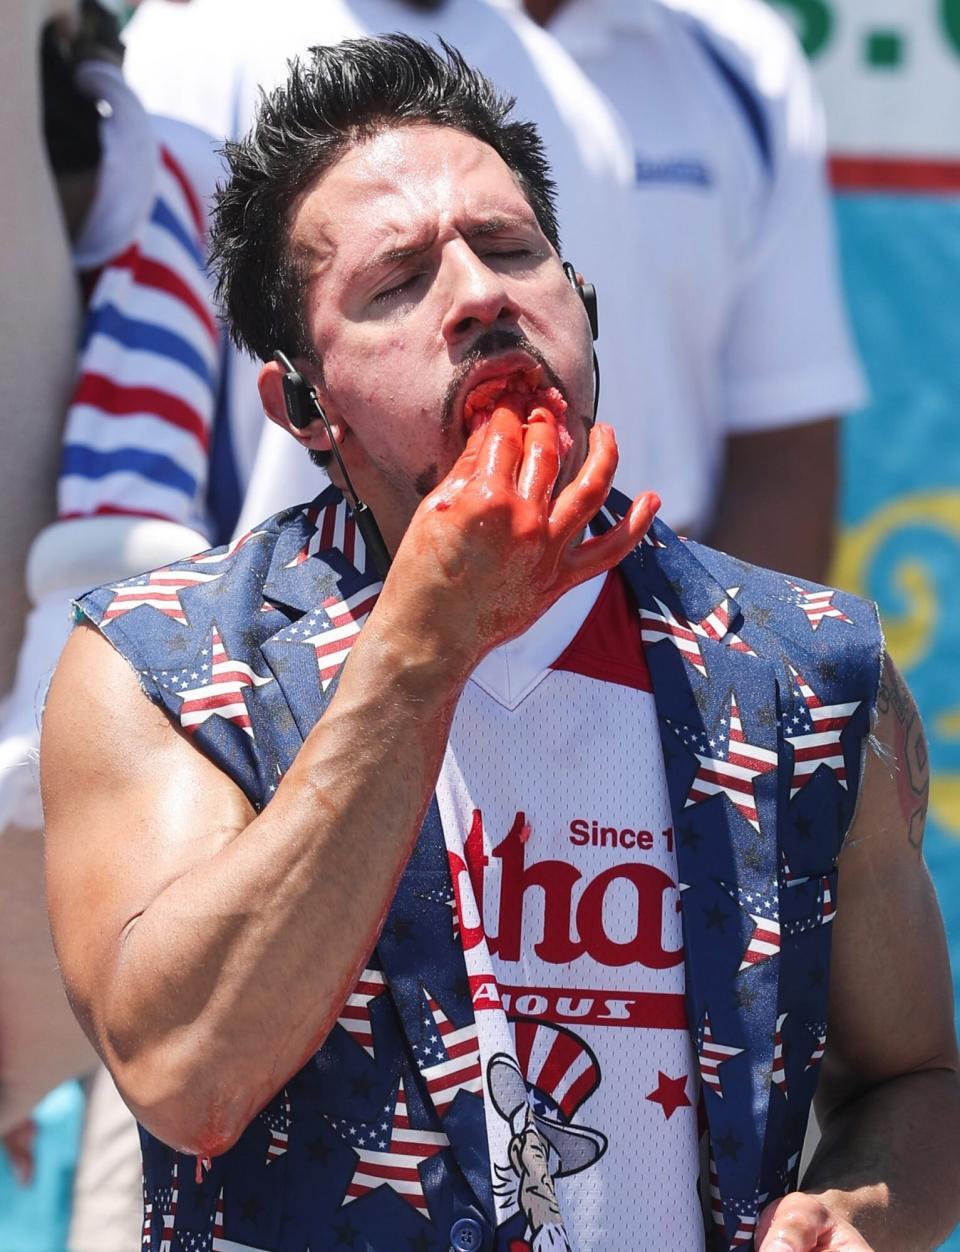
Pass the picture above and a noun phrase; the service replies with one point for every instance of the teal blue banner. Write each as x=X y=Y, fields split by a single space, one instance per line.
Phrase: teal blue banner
x=900 y=537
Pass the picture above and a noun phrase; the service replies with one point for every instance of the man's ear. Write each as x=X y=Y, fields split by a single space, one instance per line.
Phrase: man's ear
x=313 y=435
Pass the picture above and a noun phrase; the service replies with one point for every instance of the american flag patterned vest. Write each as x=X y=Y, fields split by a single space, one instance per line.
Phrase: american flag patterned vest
x=764 y=688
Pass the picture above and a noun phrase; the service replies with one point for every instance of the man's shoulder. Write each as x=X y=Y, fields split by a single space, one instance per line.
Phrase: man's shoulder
x=793 y=605
x=168 y=602
x=699 y=599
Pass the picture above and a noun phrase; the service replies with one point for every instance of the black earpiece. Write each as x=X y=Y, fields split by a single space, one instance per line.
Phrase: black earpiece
x=299 y=398
x=588 y=296
x=303 y=407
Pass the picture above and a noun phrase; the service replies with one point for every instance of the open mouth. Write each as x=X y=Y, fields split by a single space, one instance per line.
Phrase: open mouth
x=523 y=391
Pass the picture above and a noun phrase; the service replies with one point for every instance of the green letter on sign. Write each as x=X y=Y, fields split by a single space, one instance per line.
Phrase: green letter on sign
x=950 y=17
x=814 y=22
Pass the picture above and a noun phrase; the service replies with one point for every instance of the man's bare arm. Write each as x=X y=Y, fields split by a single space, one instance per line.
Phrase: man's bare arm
x=889 y=1096
x=778 y=501
x=207 y=950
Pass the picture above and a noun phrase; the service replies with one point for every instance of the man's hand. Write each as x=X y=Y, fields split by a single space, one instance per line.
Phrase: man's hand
x=802 y=1223
x=491 y=548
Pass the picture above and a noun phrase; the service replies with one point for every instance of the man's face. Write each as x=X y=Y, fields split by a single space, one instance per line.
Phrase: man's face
x=426 y=272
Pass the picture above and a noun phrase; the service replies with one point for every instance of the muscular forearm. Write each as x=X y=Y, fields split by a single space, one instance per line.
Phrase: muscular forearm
x=888 y=1162
x=237 y=971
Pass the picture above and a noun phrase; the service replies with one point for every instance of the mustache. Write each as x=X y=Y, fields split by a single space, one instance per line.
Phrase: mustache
x=487 y=345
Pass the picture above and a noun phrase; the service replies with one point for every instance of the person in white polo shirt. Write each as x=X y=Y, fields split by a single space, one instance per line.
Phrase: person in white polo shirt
x=749 y=346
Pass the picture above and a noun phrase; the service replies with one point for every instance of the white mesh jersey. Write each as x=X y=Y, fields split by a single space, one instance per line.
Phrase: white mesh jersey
x=557 y=819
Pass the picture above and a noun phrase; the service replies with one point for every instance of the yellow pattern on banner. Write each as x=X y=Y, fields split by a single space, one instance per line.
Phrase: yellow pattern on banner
x=912 y=636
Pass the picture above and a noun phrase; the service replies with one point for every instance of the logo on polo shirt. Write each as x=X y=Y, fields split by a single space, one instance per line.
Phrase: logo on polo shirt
x=685 y=171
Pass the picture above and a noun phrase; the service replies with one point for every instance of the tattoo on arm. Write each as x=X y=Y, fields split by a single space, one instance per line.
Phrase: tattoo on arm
x=910 y=747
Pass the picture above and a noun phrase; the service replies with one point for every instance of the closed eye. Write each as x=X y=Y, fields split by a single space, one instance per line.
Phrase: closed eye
x=389 y=293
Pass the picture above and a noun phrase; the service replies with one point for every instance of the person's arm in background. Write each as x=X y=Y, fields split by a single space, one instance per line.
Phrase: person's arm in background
x=788 y=365
x=778 y=498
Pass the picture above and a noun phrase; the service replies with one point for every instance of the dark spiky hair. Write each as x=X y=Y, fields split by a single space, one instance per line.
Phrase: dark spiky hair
x=334 y=98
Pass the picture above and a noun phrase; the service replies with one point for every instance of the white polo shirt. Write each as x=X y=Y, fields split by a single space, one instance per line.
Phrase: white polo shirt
x=734 y=228
x=205 y=63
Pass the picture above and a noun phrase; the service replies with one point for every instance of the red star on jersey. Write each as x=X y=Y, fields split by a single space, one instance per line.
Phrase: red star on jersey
x=670 y=1094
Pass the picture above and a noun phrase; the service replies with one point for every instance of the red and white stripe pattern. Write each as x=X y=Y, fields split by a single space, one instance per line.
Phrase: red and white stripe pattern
x=817 y=604
x=763 y=943
x=763 y=910
x=169 y=1209
x=449 y=1058
x=220 y=695
x=557 y=1063
x=819 y=1032
x=333 y=527
x=746 y=1228
x=778 y=1072
x=663 y=624
x=220 y=1243
x=147 y=1218
x=789 y=878
x=727 y=764
x=355 y=1014
x=816 y=730
x=389 y=1154
x=278 y=1123
x=346 y=617
x=161 y=590
x=716 y=1200
x=137 y=430
x=214 y=558
x=712 y=1055
x=716 y=626
x=828 y=906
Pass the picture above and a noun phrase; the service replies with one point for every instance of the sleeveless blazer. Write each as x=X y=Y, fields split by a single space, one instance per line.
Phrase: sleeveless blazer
x=764 y=688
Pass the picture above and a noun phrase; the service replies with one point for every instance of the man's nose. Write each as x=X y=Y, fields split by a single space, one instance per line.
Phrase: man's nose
x=478 y=296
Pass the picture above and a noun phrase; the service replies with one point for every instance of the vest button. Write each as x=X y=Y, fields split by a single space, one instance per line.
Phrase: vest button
x=466 y=1235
